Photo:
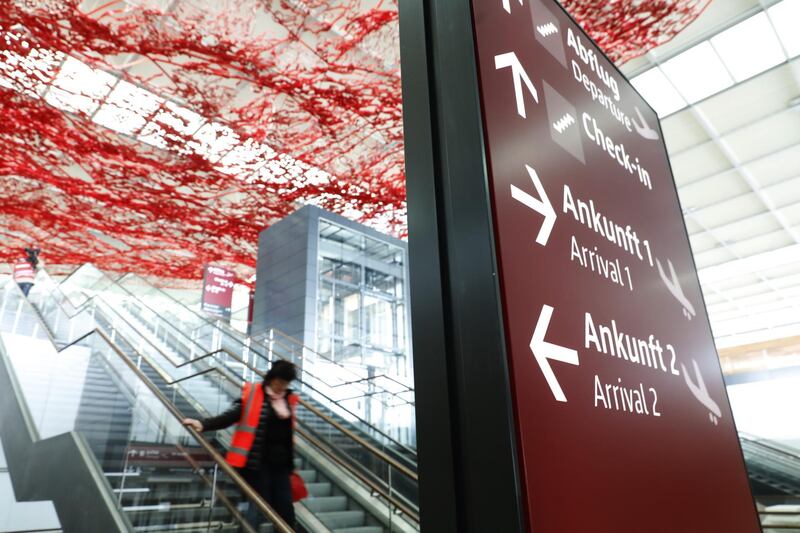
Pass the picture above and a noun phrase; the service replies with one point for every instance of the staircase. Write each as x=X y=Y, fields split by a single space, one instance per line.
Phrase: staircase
x=157 y=496
x=328 y=502
x=157 y=478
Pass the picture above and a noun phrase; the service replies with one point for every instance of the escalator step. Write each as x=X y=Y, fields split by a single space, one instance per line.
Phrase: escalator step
x=319 y=489
x=360 y=529
x=342 y=519
x=309 y=476
x=326 y=504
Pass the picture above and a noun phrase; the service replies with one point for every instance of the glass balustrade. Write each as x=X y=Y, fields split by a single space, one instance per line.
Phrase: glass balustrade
x=160 y=475
x=205 y=383
x=378 y=407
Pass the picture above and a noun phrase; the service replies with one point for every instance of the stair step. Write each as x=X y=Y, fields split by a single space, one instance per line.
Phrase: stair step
x=309 y=476
x=342 y=519
x=319 y=489
x=326 y=504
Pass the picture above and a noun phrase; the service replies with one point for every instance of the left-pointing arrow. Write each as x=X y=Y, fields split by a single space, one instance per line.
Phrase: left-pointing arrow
x=510 y=60
x=544 y=351
x=543 y=206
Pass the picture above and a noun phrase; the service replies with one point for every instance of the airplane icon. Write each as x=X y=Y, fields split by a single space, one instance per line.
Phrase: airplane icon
x=701 y=393
x=675 y=288
x=644 y=130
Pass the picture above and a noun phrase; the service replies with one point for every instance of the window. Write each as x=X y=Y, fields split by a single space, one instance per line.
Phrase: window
x=361 y=299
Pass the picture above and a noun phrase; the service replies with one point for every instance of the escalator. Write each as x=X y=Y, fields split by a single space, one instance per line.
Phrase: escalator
x=142 y=470
x=375 y=401
x=774 y=471
x=380 y=405
x=359 y=489
x=772 y=466
x=184 y=334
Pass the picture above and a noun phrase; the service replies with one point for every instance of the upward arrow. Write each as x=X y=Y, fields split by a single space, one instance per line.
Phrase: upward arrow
x=507 y=5
x=544 y=351
x=543 y=206
x=510 y=60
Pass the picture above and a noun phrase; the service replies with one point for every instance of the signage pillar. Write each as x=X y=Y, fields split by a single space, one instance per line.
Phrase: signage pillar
x=566 y=374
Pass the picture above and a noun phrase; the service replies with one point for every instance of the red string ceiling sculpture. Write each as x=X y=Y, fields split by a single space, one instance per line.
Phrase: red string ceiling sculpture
x=154 y=136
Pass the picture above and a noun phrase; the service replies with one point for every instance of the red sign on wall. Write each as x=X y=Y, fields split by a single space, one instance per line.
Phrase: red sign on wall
x=622 y=414
x=218 y=285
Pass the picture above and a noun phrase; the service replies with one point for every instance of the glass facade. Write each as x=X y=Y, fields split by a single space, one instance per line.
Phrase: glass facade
x=361 y=315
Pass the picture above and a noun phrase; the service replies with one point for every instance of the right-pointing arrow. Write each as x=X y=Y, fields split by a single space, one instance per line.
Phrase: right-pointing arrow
x=543 y=206
x=544 y=351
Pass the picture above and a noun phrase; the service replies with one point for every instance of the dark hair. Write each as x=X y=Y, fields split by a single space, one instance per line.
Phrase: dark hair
x=282 y=370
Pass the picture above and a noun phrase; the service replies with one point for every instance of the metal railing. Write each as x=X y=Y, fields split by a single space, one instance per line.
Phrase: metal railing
x=217 y=458
x=351 y=467
x=249 y=346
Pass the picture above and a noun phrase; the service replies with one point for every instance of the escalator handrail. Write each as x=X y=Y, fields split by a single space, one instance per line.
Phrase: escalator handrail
x=238 y=383
x=325 y=449
x=382 y=491
x=768 y=445
x=347 y=432
x=317 y=444
x=233 y=333
x=86 y=303
x=251 y=494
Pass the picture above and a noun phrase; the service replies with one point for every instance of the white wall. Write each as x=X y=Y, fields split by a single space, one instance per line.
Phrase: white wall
x=25 y=516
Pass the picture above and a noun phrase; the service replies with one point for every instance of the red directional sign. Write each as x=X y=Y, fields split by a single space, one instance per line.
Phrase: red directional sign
x=218 y=283
x=623 y=419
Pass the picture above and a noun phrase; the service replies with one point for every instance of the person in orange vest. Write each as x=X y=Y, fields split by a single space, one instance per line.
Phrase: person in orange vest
x=24 y=275
x=263 y=442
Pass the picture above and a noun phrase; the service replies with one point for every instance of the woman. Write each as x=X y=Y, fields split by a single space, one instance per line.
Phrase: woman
x=263 y=445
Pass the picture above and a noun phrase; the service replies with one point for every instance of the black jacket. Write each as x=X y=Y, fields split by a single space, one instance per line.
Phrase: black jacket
x=274 y=441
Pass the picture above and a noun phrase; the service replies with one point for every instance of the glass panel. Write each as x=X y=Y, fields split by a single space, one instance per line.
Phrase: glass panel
x=200 y=380
x=160 y=476
x=378 y=323
x=380 y=282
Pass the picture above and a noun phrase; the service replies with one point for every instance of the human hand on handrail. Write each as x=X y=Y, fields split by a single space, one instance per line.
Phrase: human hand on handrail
x=192 y=423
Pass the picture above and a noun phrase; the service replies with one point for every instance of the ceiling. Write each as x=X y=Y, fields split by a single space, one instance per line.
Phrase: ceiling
x=159 y=147
x=154 y=136
x=728 y=91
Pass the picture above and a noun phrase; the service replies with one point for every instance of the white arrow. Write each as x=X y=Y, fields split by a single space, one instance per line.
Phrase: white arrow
x=544 y=351
x=510 y=60
x=507 y=5
x=543 y=206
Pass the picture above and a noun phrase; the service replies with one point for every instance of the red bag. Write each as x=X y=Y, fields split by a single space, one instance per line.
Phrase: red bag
x=299 y=490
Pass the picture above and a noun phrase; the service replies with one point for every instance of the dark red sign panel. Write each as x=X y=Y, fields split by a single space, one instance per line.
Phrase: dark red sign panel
x=218 y=285
x=623 y=420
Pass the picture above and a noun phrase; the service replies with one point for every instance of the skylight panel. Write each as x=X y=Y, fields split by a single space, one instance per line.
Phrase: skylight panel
x=246 y=158
x=272 y=172
x=127 y=107
x=172 y=126
x=659 y=93
x=28 y=74
x=785 y=16
x=698 y=72
x=757 y=263
x=213 y=140
x=749 y=48
x=79 y=88
x=316 y=176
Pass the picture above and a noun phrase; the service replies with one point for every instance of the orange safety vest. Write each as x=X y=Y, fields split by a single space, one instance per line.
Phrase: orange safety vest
x=245 y=433
x=23 y=272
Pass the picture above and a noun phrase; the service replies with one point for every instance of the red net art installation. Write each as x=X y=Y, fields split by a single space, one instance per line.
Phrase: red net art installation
x=156 y=136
